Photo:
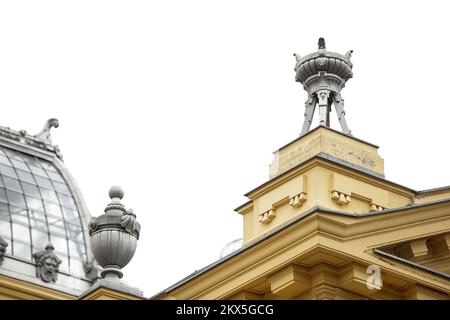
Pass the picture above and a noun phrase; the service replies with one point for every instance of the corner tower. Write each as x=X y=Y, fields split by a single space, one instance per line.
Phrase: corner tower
x=323 y=168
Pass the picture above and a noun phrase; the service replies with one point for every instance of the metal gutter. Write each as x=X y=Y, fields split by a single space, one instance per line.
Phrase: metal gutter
x=413 y=264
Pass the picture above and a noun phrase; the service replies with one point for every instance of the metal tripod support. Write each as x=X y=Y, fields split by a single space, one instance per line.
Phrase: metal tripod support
x=325 y=98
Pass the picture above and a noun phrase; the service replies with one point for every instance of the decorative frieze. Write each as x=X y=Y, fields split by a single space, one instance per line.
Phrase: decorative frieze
x=41 y=140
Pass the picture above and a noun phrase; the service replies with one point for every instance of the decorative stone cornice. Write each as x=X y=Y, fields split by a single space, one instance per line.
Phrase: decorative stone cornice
x=41 y=140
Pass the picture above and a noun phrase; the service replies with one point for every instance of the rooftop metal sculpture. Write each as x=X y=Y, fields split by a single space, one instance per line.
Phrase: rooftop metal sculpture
x=323 y=75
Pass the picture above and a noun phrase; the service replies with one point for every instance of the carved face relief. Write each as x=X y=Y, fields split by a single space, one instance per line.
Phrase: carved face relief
x=3 y=245
x=49 y=269
x=47 y=264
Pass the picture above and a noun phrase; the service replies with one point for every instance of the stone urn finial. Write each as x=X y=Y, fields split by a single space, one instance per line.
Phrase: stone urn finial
x=114 y=236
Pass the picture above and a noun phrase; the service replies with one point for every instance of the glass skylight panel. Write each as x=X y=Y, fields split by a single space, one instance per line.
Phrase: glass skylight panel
x=20 y=232
x=39 y=238
x=4 y=211
x=21 y=250
x=64 y=266
x=5 y=228
x=16 y=198
x=12 y=184
x=4 y=160
x=70 y=215
x=57 y=228
x=26 y=176
x=76 y=249
x=48 y=166
x=3 y=196
x=7 y=171
x=49 y=195
x=53 y=209
x=55 y=176
x=43 y=182
x=37 y=206
x=20 y=165
x=31 y=190
x=19 y=216
x=62 y=188
x=74 y=232
x=13 y=154
x=59 y=243
x=76 y=267
x=66 y=201
x=38 y=171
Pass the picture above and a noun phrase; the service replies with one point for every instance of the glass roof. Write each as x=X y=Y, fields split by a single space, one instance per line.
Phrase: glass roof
x=37 y=206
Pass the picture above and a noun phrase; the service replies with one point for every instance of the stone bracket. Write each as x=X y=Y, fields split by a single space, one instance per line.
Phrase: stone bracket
x=343 y=189
x=290 y=281
x=375 y=207
x=419 y=247
x=267 y=216
x=340 y=198
x=297 y=200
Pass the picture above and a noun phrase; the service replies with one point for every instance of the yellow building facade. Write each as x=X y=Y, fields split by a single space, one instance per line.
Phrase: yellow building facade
x=326 y=225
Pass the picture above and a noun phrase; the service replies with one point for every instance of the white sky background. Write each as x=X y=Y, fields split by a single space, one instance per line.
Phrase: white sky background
x=183 y=102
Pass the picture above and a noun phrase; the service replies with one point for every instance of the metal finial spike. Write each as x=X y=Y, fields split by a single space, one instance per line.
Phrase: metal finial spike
x=321 y=43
